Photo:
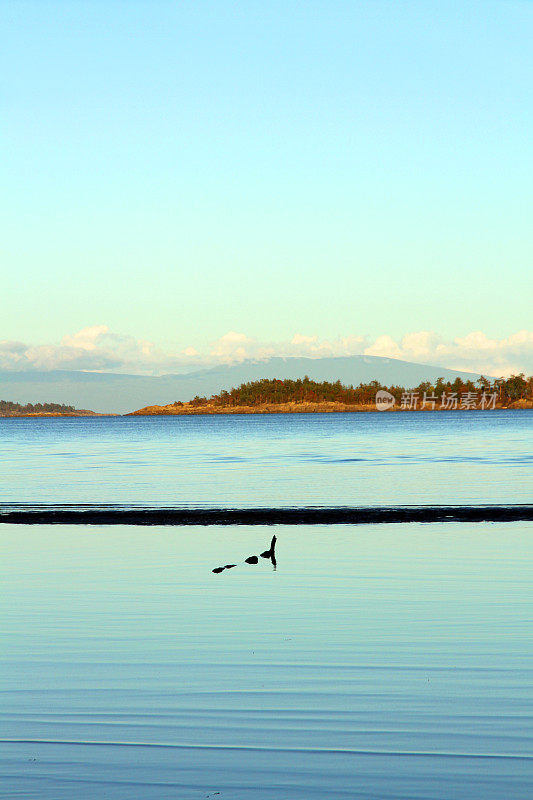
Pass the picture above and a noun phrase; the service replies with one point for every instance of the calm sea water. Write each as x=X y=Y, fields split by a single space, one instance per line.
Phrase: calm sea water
x=389 y=661
x=277 y=460
x=380 y=662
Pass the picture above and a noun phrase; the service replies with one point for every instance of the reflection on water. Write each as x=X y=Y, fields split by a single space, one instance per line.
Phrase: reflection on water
x=389 y=661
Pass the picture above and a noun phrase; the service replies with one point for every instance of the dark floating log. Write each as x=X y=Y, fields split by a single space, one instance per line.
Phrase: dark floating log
x=126 y=515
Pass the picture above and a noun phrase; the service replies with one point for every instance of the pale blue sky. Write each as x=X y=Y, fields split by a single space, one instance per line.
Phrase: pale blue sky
x=175 y=170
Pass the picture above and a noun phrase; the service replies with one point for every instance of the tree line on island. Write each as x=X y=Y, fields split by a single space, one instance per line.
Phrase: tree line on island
x=304 y=390
x=10 y=409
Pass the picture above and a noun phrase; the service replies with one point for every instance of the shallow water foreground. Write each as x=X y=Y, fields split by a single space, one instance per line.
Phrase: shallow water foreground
x=386 y=661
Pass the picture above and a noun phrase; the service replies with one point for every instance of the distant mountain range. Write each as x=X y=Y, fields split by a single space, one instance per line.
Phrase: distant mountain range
x=115 y=393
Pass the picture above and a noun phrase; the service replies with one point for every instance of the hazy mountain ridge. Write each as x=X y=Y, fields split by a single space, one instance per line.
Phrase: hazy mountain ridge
x=116 y=393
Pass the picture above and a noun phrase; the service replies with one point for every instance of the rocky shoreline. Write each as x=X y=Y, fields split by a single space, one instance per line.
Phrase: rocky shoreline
x=188 y=409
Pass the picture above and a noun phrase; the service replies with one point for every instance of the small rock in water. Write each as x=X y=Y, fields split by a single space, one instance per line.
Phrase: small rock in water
x=252 y=560
x=219 y=569
x=230 y=566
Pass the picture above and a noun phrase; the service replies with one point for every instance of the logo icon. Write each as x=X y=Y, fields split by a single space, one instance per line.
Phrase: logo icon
x=384 y=400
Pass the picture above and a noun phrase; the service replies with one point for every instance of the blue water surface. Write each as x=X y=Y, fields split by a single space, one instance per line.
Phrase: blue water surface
x=271 y=460
x=382 y=661
x=376 y=662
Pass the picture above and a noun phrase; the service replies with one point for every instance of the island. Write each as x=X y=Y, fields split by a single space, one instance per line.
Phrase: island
x=10 y=409
x=305 y=396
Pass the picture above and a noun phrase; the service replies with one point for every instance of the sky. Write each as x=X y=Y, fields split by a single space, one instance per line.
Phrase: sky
x=192 y=182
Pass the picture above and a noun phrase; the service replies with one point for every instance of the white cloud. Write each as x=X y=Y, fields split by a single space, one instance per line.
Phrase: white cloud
x=472 y=353
x=236 y=347
x=232 y=348
x=298 y=338
x=385 y=347
x=96 y=348
x=87 y=338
